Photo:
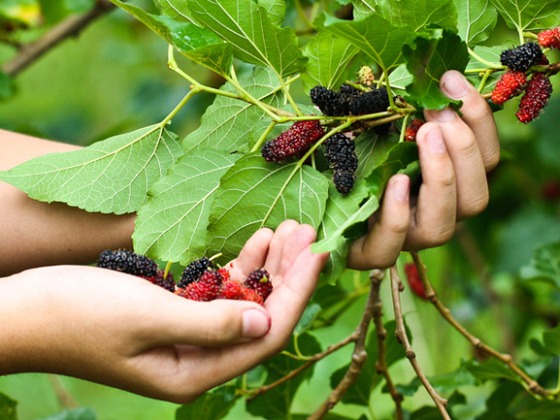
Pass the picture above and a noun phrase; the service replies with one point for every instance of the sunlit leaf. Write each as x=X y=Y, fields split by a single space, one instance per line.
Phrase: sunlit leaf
x=478 y=20
x=419 y=14
x=529 y=15
x=544 y=265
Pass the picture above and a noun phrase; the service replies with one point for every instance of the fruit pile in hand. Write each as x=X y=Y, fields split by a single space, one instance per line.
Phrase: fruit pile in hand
x=200 y=281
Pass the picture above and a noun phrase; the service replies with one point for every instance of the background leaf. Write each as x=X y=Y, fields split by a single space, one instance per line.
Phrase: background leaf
x=7 y=408
x=529 y=15
x=110 y=176
x=172 y=225
x=212 y=405
x=419 y=14
x=478 y=20
x=545 y=264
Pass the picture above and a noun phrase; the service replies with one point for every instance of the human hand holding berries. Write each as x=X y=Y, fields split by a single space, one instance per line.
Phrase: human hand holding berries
x=455 y=155
x=120 y=330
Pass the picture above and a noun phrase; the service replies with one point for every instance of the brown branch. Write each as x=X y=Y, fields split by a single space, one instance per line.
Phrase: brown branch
x=359 y=357
x=381 y=363
x=65 y=399
x=531 y=384
x=72 y=26
x=400 y=332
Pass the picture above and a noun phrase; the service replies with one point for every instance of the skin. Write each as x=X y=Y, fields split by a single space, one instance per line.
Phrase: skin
x=102 y=326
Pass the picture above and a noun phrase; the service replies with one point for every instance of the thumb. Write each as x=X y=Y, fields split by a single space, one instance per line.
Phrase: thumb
x=215 y=323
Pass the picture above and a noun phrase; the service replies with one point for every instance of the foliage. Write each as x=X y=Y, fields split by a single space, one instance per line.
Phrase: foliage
x=269 y=54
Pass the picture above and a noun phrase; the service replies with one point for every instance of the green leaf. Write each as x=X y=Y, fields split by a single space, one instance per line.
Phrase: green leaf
x=329 y=59
x=231 y=124
x=198 y=44
x=550 y=344
x=339 y=209
x=419 y=14
x=544 y=265
x=172 y=225
x=7 y=408
x=247 y=27
x=491 y=369
x=110 y=176
x=81 y=413
x=255 y=194
x=175 y=9
x=276 y=10
x=378 y=39
x=427 y=60
x=529 y=15
x=212 y=405
x=276 y=403
x=478 y=20
x=363 y=8
x=6 y=86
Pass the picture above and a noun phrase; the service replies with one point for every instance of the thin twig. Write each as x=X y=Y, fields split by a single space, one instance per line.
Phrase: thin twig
x=65 y=399
x=359 y=357
x=71 y=26
x=530 y=384
x=400 y=332
x=376 y=277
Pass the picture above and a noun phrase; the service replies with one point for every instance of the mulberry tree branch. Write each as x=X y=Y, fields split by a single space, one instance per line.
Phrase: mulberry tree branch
x=381 y=363
x=400 y=332
x=72 y=26
x=359 y=358
x=530 y=384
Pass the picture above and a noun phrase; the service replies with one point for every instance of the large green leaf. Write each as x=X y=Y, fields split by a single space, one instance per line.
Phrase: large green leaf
x=427 y=60
x=329 y=60
x=110 y=176
x=81 y=413
x=255 y=194
x=172 y=225
x=378 y=39
x=8 y=409
x=198 y=44
x=231 y=124
x=478 y=20
x=247 y=27
x=529 y=15
x=176 y=9
x=419 y=14
x=545 y=264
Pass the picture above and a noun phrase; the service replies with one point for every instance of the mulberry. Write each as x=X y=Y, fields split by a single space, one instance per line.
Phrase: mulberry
x=330 y=103
x=376 y=100
x=127 y=262
x=259 y=280
x=194 y=270
x=414 y=281
x=340 y=153
x=550 y=38
x=536 y=96
x=510 y=84
x=522 y=57
x=231 y=290
x=252 y=296
x=293 y=142
x=165 y=282
x=412 y=130
x=207 y=288
x=343 y=181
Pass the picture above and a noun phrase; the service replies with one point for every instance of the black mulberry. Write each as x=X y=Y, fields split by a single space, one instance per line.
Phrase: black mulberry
x=522 y=57
x=340 y=153
x=194 y=270
x=330 y=102
x=370 y=102
x=343 y=181
x=127 y=262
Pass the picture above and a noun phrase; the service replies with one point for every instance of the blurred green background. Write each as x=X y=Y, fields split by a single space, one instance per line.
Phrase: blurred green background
x=113 y=78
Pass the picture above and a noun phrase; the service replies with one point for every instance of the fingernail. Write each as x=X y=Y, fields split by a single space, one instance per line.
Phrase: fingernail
x=454 y=85
x=435 y=141
x=255 y=323
x=445 y=115
x=400 y=188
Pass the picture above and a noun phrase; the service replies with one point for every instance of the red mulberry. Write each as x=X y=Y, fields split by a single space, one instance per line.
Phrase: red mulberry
x=165 y=282
x=414 y=281
x=510 y=84
x=412 y=130
x=536 y=96
x=293 y=142
x=127 y=262
x=522 y=57
x=550 y=38
x=259 y=281
x=207 y=288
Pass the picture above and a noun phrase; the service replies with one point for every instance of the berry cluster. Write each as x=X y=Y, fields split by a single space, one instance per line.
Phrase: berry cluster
x=200 y=281
x=349 y=100
x=294 y=142
x=213 y=284
x=535 y=86
x=341 y=156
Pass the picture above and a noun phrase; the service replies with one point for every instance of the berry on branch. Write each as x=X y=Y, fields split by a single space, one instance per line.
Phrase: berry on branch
x=550 y=38
x=293 y=142
x=510 y=84
x=522 y=57
x=330 y=102
x=535 y=98
x=414 y=281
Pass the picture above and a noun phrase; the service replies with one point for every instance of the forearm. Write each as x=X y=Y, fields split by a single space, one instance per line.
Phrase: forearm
x=37 y=234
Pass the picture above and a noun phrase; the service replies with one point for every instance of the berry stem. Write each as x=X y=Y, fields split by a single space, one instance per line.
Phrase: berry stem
x=167 y=269
x=263 y=137
x=484 y=61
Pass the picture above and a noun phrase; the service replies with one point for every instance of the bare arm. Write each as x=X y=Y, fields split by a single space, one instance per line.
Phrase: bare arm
x=36 y=234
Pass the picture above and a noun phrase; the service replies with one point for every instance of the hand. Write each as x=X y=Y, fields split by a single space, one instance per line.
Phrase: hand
x=455 y=154
x=120 y=330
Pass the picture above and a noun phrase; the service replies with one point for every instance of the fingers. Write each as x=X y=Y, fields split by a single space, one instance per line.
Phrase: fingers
x=477 y=115
x=383 y=243
x=434 y=217
x=253 y=254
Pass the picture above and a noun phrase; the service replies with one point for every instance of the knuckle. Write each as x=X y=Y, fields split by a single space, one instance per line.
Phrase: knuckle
x=474 y=206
